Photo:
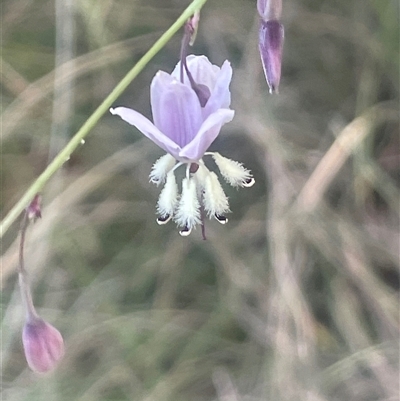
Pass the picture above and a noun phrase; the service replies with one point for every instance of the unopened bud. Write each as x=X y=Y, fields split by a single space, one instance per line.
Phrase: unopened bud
x=271 y=37
x=34 y=208
x=43 y=345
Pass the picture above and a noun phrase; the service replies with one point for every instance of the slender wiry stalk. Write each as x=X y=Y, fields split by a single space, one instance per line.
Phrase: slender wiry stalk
x=23 y=277
x=203 y=225
x=65 y=153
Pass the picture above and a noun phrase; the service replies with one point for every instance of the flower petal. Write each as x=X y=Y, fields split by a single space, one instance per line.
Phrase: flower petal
x=159 y=84
x=208 y=131
x=180 y=115
x=220 y=95
x=203 y=72
x=147 y=128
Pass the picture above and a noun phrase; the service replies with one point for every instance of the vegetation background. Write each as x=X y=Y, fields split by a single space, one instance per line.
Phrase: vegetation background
x=296 y=298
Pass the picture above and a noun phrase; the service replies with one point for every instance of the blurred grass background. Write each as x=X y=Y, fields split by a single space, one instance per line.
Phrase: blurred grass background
x=296 y=298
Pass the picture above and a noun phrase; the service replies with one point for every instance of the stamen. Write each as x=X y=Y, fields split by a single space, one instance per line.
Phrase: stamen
x=215 y=201
x=201 y=175
x=188 y=210
x=161 y=168
x=168 y=199
x=233 y=172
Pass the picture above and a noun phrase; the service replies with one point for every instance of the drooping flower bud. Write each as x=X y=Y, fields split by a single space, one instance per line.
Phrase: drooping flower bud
x=43 y=345
x=271 y=36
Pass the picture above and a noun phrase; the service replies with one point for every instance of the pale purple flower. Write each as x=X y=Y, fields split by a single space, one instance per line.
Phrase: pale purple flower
x=181 y=126
x=189 y=108
x=43 y=345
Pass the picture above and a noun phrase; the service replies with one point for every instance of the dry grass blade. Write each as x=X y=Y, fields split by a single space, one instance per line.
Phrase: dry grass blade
x=345 y=144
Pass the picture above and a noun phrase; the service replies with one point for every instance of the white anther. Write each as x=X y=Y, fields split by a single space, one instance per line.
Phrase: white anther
x=214 y=199
x=168 y=198
x=161 y=168
x=233 y=172
x=188 y=211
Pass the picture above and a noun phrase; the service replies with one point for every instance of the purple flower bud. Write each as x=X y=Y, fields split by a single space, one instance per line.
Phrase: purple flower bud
x=34 y=208
x=43 y=345
x=271 y=37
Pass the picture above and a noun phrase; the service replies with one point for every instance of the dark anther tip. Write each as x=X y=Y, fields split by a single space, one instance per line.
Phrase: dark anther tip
x=163 y=219
x=221 y=218
x=185 y=231
x=249 y=182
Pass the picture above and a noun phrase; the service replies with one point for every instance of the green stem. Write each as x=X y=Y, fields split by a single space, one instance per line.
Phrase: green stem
x=65 y=153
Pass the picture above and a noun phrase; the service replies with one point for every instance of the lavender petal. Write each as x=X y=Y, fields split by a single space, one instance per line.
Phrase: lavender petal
x=147 y=128
x=220 y=95
x=208 y=131
x=180 y=112
x=203 y=72
x=159 y=84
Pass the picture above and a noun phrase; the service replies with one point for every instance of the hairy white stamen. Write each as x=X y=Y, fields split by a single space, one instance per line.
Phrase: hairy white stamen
x=160 y=169
x=233 y=172
x=214 y=199
x=200 y=177
x=168 y=199
x=188 y=211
